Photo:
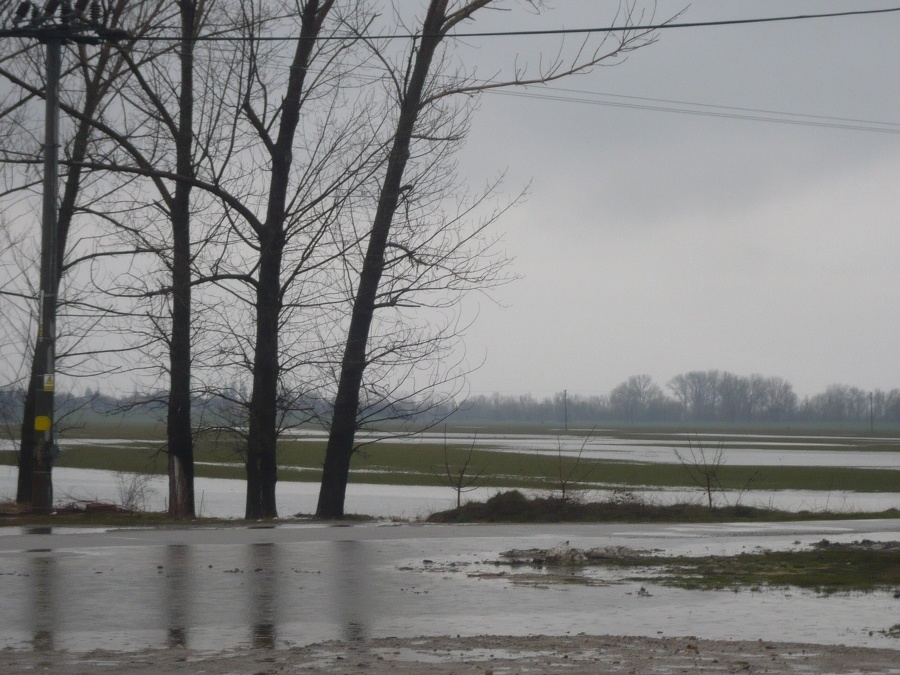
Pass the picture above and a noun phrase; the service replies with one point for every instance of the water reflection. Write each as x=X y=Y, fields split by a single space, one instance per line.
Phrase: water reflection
x=43 y=605
x=264 y=570
x=351 y=594
x=39 y=529
x=178 y=566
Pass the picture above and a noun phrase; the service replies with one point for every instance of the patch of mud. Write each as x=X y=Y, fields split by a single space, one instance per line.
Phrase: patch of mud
x=483 y=654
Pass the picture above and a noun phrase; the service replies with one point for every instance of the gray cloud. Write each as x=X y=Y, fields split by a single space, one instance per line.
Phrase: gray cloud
x=659 y=243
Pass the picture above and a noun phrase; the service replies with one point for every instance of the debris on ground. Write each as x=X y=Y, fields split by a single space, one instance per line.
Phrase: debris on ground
x=563 y=554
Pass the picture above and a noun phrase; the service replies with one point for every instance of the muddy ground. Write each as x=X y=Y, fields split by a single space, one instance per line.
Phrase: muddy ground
x=483 y=654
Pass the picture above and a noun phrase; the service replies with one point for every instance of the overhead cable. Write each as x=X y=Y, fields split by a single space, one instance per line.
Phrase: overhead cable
x=727 y=112
x=629 y=28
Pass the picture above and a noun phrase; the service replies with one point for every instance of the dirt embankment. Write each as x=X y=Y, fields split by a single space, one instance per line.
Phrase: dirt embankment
x=483 y=655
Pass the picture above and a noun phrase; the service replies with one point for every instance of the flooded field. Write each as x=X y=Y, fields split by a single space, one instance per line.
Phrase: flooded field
x=741 y=449
x=738 y=449
x=294 y=585
x=224 y=498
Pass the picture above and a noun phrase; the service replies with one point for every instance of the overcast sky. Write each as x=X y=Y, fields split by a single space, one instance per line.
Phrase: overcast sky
x=656 y=242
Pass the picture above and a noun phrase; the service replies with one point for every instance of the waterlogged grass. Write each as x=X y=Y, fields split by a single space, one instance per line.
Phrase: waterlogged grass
x=827 y=568
x=406 y=465
x=426 y=464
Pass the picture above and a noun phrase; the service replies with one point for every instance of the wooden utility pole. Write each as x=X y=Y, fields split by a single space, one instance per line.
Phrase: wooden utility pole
x=53 y=24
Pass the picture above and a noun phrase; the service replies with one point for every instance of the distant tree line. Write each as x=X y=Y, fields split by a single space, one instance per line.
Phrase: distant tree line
x=707 y=396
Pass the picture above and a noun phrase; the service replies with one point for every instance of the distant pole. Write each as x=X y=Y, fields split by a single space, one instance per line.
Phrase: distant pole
x=871 y=414
x=566 y=407
x=53 y=24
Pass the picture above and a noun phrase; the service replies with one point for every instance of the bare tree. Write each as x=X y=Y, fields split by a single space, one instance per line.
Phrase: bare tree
x=462 y=477
x=17 y=309
x=98 y=71
x=309 y=135
x=271 y=235
x=636 y=398
x=273 y=182
x=697 y=391
x=570 y=473
x=703 y=466
x=734 y=397
x=419 y=91
x=779 y=402
x=153 y=104
x=163 y=96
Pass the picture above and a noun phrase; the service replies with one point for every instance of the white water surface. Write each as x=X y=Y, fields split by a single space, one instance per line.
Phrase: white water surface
x=225 y=498
x=737 y=449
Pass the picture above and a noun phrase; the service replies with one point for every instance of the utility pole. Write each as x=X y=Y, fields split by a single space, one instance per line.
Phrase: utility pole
x=46 y=449
x=54 y=24
x=871 y=414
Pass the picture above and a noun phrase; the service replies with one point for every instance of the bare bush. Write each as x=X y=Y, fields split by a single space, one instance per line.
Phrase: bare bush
x=568 y=478
x=134 y=489
x=703 y=466
x=462 y=477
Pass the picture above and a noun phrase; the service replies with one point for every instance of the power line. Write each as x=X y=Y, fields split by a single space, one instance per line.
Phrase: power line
x=725 y=112
x=667 y=25
x=527 y=33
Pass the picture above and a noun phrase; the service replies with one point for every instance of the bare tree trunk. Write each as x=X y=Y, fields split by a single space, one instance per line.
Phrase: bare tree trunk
x=262 y=437
x=261 y=447
x=353 y=364
x=25 y=485
x=179 y=428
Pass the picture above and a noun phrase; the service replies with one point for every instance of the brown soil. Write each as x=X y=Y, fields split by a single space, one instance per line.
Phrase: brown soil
x=484 y=654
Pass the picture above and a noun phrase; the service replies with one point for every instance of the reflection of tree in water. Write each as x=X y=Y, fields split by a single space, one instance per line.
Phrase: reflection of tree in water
x=351 y=596
x=264 y=571
x=177 y=593
x=44 y=604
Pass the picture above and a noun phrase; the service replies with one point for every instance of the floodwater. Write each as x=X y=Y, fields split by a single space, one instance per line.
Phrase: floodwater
x=737 y=449
x=219 y=588
x=225 y=498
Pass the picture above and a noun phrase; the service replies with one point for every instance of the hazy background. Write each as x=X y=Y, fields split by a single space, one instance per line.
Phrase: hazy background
x=657 y=242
